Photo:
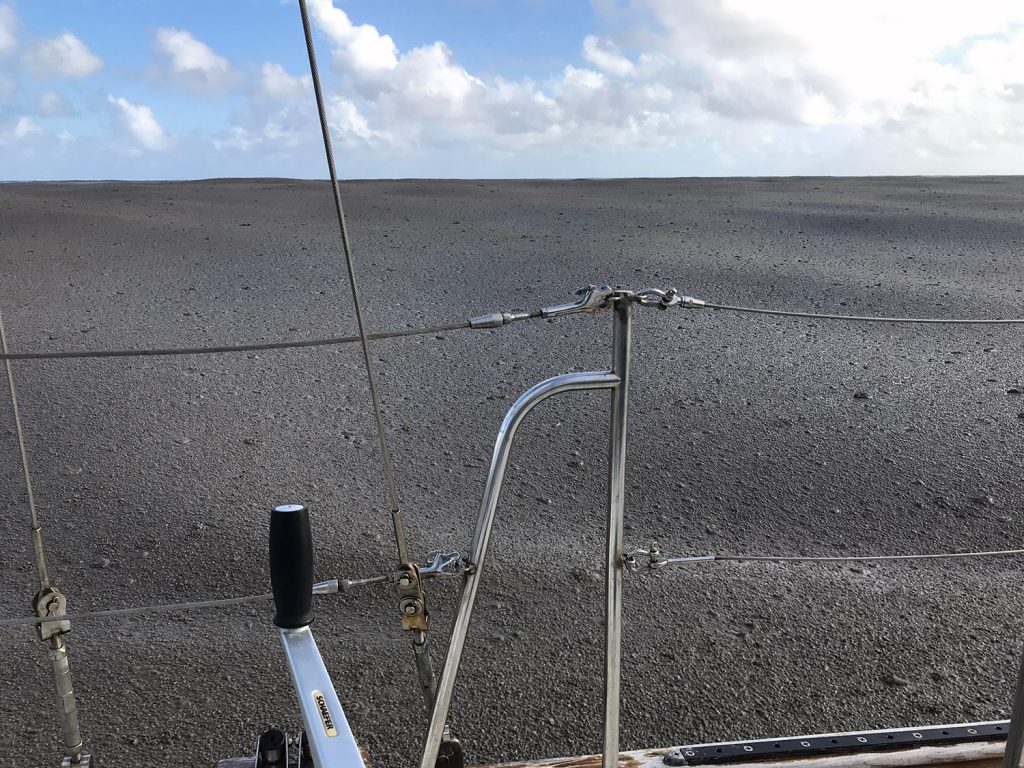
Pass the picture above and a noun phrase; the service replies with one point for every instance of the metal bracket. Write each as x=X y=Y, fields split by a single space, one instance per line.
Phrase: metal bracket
x=637 y=560
x=443 y=564
x=51 y=602
x=663 y=299
x=412 y=600
x=409 y=578
x=593 y=298
x=439 y=564
x=653 y=559
x=84 y=761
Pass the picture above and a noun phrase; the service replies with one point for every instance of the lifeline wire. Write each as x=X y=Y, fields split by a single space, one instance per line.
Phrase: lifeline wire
x=659 y=563
x=863 y=558
x=389 y=477
x=300 y=344
x=37 y=531
x=859 y=318
x=463 y=326
x=222 y=603
x=135 y=611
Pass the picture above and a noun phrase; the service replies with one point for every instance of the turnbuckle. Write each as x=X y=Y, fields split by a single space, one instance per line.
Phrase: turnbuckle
x=498 y=319
x=593 y=298
x=439 y=564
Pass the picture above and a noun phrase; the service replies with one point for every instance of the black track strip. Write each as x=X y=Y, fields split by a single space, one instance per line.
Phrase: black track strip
x=806 y=746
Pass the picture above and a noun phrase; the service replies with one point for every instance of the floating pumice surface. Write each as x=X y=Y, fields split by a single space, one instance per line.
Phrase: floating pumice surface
x=749 y=435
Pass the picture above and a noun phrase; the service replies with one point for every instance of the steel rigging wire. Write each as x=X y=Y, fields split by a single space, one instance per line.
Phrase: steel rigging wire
x=862 y=318
x=421 y=646
x=19 y=429
x=228 y=348
x=473 y=325
x=371 y=377
x=641 y=568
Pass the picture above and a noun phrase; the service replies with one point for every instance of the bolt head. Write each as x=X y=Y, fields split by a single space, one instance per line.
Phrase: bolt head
x=405 y=581
x=410 y=609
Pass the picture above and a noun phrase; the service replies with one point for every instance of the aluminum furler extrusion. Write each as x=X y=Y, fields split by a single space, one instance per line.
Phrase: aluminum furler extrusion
x=567 y=382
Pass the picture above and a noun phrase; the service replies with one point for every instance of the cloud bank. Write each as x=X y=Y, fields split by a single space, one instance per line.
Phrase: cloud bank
x=680 y=86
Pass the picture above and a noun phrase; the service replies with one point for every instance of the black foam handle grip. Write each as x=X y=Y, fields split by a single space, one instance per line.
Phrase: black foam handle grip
x=291 y=565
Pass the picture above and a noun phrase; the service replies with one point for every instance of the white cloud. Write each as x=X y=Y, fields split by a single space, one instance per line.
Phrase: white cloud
x=348 y=123
x=25 y=126
x=424 y=96
x=192 y=62
x=52 y=104
x=808 y=62
x=8 y=21
x=361 y=46
x=140 y=122
x=738 y=85
x=914 y=78
x=604 y=55
x=420 y=95
x=428 y=83
x=277 y=85
x=62 y=56
x=281 y=117
x=286 y=128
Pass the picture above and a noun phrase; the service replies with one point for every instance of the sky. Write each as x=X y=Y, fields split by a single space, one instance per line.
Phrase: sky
x=153 y=89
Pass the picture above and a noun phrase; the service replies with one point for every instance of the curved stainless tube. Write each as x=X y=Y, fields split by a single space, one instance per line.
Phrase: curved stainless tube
x=565 y=383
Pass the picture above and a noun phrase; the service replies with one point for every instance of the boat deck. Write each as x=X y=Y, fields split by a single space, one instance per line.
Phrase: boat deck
x=986 y=754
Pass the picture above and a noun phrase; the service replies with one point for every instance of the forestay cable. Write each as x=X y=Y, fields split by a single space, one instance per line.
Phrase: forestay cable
x=47 y=596
x=389 y=477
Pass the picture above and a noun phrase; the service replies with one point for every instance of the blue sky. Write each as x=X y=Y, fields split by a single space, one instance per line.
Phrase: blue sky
x=509 y=88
